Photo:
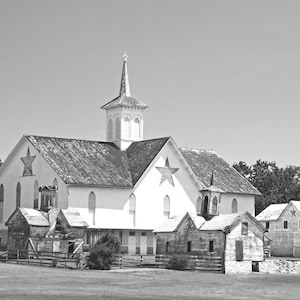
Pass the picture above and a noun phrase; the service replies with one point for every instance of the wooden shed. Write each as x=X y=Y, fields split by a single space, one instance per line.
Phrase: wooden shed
x=236 y=239
x=57 y=230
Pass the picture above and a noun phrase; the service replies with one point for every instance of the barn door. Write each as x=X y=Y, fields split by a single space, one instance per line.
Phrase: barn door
x=239 y=250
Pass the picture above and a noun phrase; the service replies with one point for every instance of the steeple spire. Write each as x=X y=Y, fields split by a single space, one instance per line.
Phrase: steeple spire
x=124 y=88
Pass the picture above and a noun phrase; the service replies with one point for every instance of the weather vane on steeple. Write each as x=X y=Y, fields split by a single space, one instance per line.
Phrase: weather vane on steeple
x=125 y=56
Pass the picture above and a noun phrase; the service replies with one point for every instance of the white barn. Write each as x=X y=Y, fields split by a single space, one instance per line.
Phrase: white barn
x=127 y=185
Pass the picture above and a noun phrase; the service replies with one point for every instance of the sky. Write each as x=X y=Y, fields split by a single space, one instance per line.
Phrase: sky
x=221 y=75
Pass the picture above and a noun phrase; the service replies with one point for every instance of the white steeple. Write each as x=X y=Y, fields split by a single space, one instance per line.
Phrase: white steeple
x=124 y=115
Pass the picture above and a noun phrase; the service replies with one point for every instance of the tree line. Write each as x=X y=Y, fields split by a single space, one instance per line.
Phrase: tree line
x=277 y=185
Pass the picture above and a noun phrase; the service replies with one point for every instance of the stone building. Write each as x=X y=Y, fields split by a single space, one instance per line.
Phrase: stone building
x=235 y=239
x=127 y=185
x=283 y=224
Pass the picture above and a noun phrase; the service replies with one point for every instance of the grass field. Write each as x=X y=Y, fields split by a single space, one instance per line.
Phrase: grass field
x=30 y=282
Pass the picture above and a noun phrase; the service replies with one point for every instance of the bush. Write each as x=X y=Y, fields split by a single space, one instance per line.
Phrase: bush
x=102 y=252
x=178 y=262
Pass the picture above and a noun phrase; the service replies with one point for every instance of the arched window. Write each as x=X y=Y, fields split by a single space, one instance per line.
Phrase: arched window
x=36 y=195
x=55 y=200
x=205 y=206
x=132 y=208
x=118 y=129
x=126 y=128
x=92 y=207
x=234 y=206
x=18 y=195
x=1 y=202
x=166 y=207
x=136 y=128
x=110 y=130
x=214 y=207
x=198 y=206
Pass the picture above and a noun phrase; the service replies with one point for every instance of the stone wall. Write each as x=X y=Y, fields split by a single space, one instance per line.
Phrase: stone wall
x=280 y=266
x=233 y=267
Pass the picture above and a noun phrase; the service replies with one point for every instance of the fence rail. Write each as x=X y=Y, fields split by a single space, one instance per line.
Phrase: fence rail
x=41 y=258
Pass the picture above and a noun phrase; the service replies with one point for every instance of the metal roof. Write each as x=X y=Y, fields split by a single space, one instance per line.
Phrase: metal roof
x=141 y=154
x=85 y=162
x=272 y=212
x=226 y=178
x=74 y=218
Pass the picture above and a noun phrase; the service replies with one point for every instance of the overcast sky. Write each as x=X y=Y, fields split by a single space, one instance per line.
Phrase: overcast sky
x=221 y=75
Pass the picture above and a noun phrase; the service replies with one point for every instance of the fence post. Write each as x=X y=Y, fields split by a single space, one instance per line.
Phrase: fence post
x=141 y=261
x=65 y=260
x=121 y=261
x=17 y=256
x=6 y=256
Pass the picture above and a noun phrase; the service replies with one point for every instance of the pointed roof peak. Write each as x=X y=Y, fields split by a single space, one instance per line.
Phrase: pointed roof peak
x=124 y=87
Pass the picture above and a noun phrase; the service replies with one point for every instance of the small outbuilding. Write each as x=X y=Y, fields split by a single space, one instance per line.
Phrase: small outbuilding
x=236 y=239
x=283 y=224
x=58 y=230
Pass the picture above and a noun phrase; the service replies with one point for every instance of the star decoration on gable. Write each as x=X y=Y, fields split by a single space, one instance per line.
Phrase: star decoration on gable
x=293 y=212
x=27 y=161
x=166 y=173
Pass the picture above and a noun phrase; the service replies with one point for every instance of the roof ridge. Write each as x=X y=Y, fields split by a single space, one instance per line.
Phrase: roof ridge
x=197 y=149
x=70 y=139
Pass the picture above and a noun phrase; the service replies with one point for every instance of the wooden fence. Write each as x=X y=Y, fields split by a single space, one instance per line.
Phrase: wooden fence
x=199 y=263
x=43 y=258
x=196 y=262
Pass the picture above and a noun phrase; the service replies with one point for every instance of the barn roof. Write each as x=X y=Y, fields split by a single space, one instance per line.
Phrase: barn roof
x=84 y=162
x=226 y=178
x=272 y=212
x=103 y=164
x=141 y=154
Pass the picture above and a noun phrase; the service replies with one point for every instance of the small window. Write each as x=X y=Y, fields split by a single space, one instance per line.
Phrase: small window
x=143 y=233
x=121 y=236
x=189 y=246
x=267 y=225
x=131 y=233
x=211 y=246
x=234 y=206
x=244 y=228
x=166 y=207
x=167 y=247
x=239 y=250
x=198 y=206
x=285 y=225
x=18 y=195
x=214 y=208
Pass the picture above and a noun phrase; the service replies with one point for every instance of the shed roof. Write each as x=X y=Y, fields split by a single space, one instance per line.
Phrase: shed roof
x=272 y=212
x=74 y=218
x=173 y=223
x=43 y=219
x=220 y=222
x=169 y=225
x=226 y=178
x=34 y=217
